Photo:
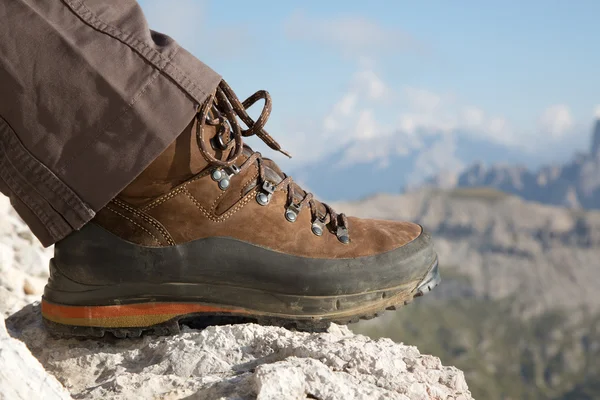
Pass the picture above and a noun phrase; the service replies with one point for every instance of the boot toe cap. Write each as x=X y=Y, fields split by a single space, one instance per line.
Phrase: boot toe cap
x=372 y=237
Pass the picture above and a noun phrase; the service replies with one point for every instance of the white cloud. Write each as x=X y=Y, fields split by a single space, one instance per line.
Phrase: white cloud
x=418 y=121
x=372 y=128
x=347 y=104
x=473 y=117
x=368 y=81
x=556 y=121
x=425 y=113
x=351 y=117
x=498 y=126
x=374 y=121
x=366 y=126
x=597 y=112
x=341 y=110
x=421 y=99
x=355 y=36
x=366 y=86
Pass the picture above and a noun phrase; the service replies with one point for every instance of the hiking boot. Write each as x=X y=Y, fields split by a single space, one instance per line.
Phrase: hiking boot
x=212 y=232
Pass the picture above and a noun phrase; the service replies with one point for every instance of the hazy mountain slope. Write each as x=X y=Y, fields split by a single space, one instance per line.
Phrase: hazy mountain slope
x=548 y=257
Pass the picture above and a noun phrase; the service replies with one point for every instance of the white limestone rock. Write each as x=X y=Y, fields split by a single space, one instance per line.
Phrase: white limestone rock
x=240 y=362
x=22 y=376
x=23 y=262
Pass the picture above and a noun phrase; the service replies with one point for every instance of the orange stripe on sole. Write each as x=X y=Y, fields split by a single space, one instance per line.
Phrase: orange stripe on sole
x=144 y=314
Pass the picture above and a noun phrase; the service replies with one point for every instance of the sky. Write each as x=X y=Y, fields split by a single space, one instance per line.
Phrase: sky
x=522 y=74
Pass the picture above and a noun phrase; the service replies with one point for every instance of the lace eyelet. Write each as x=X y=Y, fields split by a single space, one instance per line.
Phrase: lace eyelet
x=291 y=214
x=223 y=175
x=224 y=184
x=342 y=235
x=217 y=143
x=318 y=227
x=263 y=197
x=232 y=170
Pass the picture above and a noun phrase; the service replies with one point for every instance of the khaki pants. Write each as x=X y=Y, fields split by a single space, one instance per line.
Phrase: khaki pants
x=89 y=96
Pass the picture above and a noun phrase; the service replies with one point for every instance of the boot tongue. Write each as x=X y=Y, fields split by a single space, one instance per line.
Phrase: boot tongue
x=272 y=171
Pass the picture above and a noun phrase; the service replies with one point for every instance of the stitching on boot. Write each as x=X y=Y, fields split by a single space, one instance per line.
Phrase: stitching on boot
x=172 y=194
x=213 y=206
x=228 y=214
x=148 y=219
x=161 y=200
x=136 y=224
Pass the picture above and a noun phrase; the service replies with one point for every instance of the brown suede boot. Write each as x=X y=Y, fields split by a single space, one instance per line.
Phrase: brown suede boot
x=212 y=228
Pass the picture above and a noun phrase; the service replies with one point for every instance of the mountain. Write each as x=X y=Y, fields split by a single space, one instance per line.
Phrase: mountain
x=384 y=165
x=575 y=184
x=518 y=309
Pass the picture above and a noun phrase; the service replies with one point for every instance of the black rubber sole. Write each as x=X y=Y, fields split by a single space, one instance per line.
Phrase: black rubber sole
x=300 y=323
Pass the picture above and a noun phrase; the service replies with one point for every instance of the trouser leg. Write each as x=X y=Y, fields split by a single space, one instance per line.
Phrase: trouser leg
x=89 y=96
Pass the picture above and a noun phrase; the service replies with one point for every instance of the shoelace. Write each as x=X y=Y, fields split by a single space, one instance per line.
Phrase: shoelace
x=222 y=109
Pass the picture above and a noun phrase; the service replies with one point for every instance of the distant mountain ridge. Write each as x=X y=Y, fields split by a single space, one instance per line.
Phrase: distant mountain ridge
x=575 y=184
x=332 y=179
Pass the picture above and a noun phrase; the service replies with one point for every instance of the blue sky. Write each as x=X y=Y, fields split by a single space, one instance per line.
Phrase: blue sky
x=523 y=74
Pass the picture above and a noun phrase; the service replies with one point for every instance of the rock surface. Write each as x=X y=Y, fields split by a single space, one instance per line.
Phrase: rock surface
x=22 y=376
x=23 y=262
x=240 y=362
